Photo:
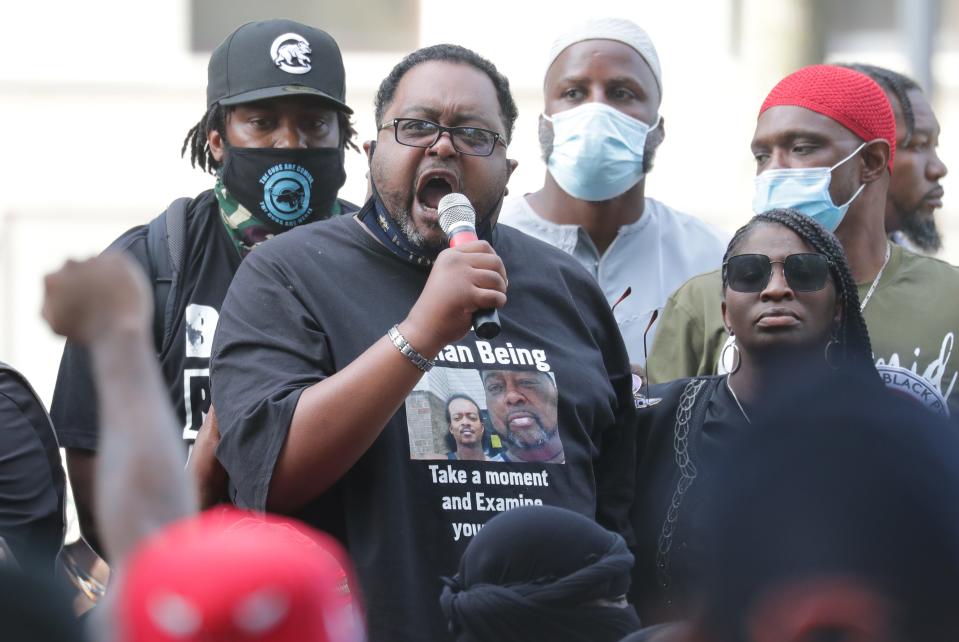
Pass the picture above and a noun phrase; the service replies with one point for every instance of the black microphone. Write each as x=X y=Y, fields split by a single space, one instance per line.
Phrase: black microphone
x=458 y=222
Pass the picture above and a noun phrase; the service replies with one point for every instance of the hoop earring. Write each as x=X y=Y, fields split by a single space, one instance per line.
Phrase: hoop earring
x=828 y=355
x=737 y=357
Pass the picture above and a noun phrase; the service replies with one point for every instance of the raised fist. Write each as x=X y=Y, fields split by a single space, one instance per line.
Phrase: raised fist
x=84 y=300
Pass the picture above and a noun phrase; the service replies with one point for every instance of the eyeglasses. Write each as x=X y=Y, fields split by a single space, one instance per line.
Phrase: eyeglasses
x=471 y=141
x=805 y=272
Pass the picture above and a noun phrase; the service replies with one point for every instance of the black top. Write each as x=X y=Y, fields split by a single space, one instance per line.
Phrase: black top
x=310 y=302
x=682 y=434
x=31 y=475
x=209 y=263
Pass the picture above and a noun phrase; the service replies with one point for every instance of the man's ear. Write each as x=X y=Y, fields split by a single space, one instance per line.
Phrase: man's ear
x=217 y=145
x=875 y=156
x=369 y=147
x=654 y=139
x=544 y=131
x=510 y=168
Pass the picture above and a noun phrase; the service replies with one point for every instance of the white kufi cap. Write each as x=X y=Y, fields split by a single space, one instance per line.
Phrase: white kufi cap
x=618 y=29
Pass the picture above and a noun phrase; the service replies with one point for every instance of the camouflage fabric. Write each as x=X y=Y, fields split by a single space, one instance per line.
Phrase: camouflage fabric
x=245 y=229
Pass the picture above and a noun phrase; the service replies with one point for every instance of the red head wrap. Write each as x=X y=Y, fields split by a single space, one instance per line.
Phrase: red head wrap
x=848 y=97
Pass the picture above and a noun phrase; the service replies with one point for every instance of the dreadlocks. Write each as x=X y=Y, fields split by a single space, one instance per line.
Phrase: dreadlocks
x=215 y=120
x=853 y=337
x=196 y=139
x=897 y=85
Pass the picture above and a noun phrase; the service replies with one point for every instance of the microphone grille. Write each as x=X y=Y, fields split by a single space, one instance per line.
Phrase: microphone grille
x=455 y=208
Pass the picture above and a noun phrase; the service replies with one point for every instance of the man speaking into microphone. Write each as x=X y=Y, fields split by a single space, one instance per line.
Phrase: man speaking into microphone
x=339 y=344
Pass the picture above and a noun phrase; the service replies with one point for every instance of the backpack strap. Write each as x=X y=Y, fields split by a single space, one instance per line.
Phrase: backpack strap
x=165 y=242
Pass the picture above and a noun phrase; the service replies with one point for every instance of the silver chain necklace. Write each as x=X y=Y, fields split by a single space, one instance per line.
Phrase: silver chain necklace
x=736 y=399
x=875 y=282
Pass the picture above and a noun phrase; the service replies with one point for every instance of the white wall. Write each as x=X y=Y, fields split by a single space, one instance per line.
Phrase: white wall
x=94 y=117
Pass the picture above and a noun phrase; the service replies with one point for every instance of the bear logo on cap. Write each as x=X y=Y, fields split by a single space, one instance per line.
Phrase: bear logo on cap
x=291 y=53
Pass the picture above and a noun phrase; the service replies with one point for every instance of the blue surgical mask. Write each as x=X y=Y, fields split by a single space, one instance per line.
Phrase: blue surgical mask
x=804 y=189
x=597 y=151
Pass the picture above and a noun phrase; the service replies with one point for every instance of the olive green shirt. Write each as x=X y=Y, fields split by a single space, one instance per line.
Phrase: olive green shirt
x=913 y=320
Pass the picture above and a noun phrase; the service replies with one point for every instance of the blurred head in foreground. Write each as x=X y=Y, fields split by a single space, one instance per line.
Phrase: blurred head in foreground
x=835 y=521
x=34 y=608
x=541 y=573
x=231 y=575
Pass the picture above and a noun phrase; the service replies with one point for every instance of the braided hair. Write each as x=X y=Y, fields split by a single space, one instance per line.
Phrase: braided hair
x=896 y=84
x=852 y=336
x=215 y=120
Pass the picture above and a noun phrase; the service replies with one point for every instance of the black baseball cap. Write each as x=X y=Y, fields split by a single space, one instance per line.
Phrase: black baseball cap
x=276 y=58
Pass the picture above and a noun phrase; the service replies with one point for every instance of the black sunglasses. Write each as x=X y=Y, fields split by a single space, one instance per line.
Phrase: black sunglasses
x=805 y=272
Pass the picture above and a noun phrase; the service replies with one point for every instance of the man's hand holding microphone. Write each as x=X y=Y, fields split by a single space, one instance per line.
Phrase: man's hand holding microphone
x=465 y=287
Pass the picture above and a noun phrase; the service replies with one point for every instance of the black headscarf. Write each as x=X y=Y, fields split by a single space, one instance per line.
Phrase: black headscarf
x=534 y=573
x=34 y=608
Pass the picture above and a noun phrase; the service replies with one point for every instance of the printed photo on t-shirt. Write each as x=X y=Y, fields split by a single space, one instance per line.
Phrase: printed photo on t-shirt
x=496 y=414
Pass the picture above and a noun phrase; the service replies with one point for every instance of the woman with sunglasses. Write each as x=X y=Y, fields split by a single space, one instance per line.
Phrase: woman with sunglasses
x=792 y=306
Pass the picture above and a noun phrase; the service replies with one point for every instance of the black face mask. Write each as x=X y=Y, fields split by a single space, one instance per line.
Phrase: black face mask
x=283 y=188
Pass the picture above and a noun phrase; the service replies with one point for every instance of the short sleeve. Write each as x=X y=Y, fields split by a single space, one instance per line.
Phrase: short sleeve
x=74 y=406
x=615 y=466
x=690 y=333
x=616 y=459
x=268 y=348
x=31 y=519
x=674 y=349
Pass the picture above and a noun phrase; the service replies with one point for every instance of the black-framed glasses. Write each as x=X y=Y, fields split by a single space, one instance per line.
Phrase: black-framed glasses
x=806 y=272
x=472 y=141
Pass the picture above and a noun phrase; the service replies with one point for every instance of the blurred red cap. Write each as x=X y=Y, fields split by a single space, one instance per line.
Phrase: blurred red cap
x=232 y=575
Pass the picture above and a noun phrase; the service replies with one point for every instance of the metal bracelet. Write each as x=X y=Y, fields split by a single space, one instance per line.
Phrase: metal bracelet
x=409 y=351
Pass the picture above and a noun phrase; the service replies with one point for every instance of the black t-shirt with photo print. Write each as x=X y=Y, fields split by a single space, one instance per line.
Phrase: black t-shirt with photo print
x=555 y=384
x=209 y=262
